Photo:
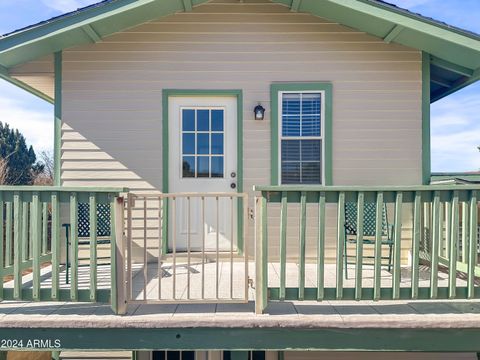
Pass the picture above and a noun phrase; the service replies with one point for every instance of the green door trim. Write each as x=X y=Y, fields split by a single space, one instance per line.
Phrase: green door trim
x=325 y=87
x=166 y=94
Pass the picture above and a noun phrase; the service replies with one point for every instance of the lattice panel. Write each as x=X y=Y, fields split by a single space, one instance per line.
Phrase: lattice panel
x=369 y=219
x=103 y=220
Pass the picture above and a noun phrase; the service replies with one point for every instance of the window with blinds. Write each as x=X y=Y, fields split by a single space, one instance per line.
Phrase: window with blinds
x=301 y=139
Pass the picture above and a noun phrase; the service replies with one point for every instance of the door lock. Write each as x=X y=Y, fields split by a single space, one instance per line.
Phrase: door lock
x=233 y=174
x=233 y=185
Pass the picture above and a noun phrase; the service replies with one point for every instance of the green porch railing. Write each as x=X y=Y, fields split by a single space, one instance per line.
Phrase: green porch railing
x=32 y=258
x=436 y=224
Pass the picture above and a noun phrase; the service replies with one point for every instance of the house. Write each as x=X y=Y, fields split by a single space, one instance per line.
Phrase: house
x=242 y=179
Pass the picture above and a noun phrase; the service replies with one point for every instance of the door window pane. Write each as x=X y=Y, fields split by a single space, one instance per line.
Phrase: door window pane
x=202 y=166
x=203 y=144
x=188 y=144
x=188 y=120
x=188 y=166
x=217 y=166
x=217 y=144
x=217 y=120
x=203 y=120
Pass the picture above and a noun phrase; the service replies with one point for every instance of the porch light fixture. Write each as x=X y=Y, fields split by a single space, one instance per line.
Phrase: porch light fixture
x=259 y=112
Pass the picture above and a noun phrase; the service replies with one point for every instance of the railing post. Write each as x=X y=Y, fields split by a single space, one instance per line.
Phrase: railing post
x=261 y=258
x=119 y=303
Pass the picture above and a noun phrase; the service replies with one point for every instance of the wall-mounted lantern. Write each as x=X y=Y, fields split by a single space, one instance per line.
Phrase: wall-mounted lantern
x=259 y=112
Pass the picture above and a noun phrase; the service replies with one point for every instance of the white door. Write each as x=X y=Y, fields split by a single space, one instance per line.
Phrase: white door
x=202 y=159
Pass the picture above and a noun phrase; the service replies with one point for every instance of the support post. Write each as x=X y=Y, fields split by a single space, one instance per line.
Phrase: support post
x=119 y=303
x=57 y=139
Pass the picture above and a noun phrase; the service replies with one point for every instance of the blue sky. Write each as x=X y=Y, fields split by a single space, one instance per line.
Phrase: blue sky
x=455 y=120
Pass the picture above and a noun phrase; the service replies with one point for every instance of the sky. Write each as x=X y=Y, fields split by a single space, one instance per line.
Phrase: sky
x=455 y=123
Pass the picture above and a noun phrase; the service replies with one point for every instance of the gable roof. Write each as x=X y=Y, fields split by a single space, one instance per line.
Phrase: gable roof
x=455 y=53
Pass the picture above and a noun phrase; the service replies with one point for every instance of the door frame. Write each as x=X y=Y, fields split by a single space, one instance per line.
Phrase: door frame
x=238 y=94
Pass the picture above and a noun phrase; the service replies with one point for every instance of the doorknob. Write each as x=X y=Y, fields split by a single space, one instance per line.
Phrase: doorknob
x=233 y=185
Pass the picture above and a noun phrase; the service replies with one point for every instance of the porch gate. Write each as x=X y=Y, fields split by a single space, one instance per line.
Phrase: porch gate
x=169 y=260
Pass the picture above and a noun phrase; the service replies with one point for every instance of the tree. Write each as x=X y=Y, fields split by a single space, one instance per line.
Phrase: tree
x=17 y=161
x=45 y=177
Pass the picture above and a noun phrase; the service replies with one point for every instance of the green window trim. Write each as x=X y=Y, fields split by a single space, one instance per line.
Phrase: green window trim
x=166 y=94
x=325 y=87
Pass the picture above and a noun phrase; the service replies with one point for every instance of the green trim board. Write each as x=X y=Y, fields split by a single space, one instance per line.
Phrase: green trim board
x=426 y=156
x=326 y=88
x=166 y=94
x=57 y=128
x=241 y=339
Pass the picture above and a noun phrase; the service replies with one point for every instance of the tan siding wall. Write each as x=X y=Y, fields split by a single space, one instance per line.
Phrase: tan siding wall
x=112 y=93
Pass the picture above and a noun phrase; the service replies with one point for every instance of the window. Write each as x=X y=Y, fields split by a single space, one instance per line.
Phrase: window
x=301 y=133
x=203 y=143
x=301 y=137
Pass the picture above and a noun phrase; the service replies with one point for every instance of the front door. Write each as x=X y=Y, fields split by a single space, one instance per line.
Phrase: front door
x=202 y=160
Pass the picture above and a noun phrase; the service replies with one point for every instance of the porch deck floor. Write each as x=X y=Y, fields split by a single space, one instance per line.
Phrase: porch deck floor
x=205 y=277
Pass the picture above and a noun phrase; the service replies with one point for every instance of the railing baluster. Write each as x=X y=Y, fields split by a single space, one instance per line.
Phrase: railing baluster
x=217 y=250
x=145 y=250
x=472 y=249
x=244 y=200
x=25 y=211
x=437 y=225
x=321 y=248
x=377 y=277
x=448 y=232
x=93 y=245
x=203 y=247
x=465 y=231
x=174 y=247
x=232 y=204
x=303 y=230
x=417 y=212
x=283 y=244
x=452 y=271
x=35 y=243
x=189 y=240
x=55 y=246
x=2 y=233
x=397 y=247
x=44 y=227
x=160 y=247
x=8 y=235
x=359 y=246
x=340 y=243
x=74 y=245
x=130 y=204
x=17 y=238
